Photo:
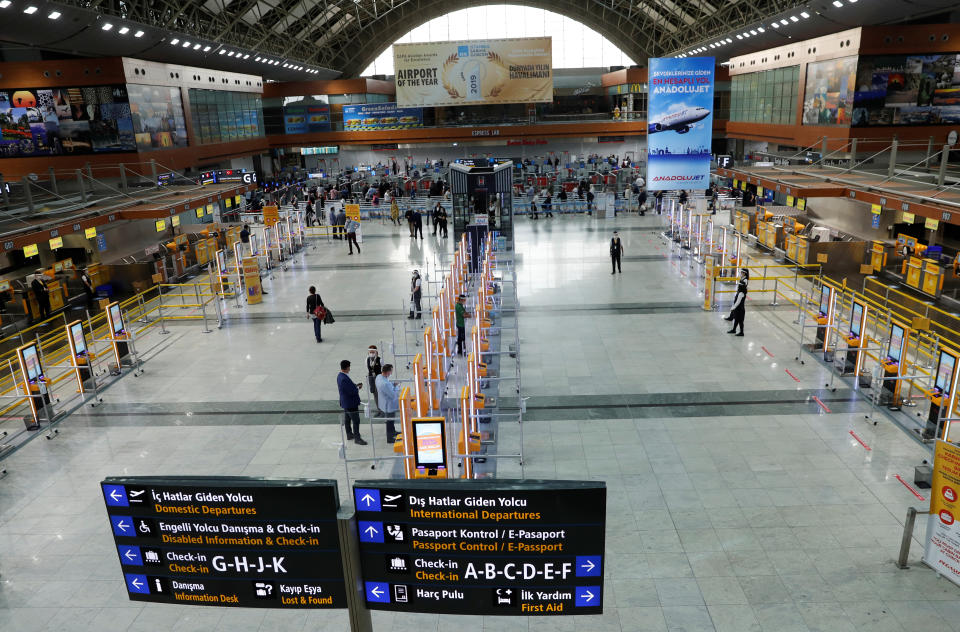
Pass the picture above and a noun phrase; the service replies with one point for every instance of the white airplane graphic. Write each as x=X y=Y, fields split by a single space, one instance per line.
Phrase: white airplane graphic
x=679 y=121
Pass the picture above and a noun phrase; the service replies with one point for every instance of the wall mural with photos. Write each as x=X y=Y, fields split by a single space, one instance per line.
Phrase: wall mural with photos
x=907 y=90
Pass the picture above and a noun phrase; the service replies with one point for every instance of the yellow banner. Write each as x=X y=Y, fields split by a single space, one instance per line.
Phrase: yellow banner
x=930 y=223
x=472 y=72
x=175 y=220
x=802 y=204
x=251 y=280
x=56 y=242
x=352 y=211
x=908 y=218
x=876 y=209
x=90 y=233
x=199 y=212
x=209 y=209
x=271 y=215
x=30 y=251
x=789 y=200
x=161 y=225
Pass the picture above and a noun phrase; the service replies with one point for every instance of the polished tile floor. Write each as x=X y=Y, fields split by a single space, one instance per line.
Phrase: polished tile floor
x=736 y=502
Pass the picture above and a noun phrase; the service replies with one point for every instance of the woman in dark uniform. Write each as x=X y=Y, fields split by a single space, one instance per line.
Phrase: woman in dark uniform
x=739 y=303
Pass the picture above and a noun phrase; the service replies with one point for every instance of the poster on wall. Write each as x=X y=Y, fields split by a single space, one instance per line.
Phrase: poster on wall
x=473 y=72
x=828 y=94
x=374 y=116
x=158 y=121
x=907 y=90
x=942 y=549
x=303 y=118
x=680 y=125
x=57 y=121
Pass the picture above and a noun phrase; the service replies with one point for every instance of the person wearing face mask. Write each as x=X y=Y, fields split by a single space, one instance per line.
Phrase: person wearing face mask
x=416 y=293
x=616 y=252
x=373 y=370
x=739 y=303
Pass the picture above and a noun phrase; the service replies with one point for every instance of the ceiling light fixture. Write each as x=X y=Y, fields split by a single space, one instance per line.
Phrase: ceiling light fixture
x=729 y=41
x=4 y=4
x=794 y=18
x=186 y=44
x=752 y=32
x=775 y=25
x=124 y=30
x=746 y=35
x=138 y=34
x=107 y=26
x=760 y=29
x=784 y=22
x=206 y=49
x=246 y=56
x=174 y=41
x=739 y=37
x=223 y=51
x=806 y=15
x=30 y=10
x=197 y=46
x=837 y=3
x=54 y=15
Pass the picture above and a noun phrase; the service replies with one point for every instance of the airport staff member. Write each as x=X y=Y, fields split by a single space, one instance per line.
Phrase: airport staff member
x=461 y=313
x=616 y=252
x=416 y=293
x=350 y=403
x=245 y=239
x=40 y=292
x=388 y=400
x=739 y=303
x=87 y=287
x=373 y=370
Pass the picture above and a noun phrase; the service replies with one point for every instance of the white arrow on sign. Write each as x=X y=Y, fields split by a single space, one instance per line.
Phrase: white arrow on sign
x=367 y=499
x=376 y=592
x=115 y=496
x=371 y=530
x=137 y=583
x=129 y=555
x=123 y=525
x=589 y=565
x=589 y=595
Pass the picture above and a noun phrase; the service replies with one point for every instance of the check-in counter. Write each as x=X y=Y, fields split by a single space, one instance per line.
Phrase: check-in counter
x=913 y=272
x=878 y=255
x=932 y=282
x=742 y=222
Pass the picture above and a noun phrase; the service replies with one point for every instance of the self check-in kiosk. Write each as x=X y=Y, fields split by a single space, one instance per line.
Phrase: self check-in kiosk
x=943 y=396
x=118 y=333
x=34 y=384
x=824 y=317
x=853 y=363
x=893 y=364
x=430 y=447
x=79 y=352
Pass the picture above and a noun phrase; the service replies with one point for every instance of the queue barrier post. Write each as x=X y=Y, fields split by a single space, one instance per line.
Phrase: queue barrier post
x=907 y=536
x=163 y=327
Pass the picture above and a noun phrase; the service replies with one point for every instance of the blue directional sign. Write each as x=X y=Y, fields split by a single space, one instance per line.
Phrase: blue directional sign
x=137 y=583
x=130 y=555
x=367 y=499
x=371 y=531
x=589 y=566
x=115 y=495
x=378 y=592
x=587 y=596
x=122 y=525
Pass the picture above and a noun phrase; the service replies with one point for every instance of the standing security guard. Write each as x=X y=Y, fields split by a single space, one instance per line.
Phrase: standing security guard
x=616 y=251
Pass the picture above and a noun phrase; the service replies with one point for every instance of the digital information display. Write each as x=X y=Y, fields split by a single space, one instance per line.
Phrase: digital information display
x=896 y=343
x=228 y=541
x=520 y=548
x=79 y=341
x=824 y=300
x=117 y=319
x=945 y=368
x=856 y=316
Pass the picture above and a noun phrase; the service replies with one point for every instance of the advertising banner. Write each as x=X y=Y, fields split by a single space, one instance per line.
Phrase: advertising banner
x=472 y=72
x=375 y=116
x=942 y=550
x=680 y=123
x=301 y=119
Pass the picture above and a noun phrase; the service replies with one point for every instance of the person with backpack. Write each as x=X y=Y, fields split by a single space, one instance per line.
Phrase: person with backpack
x=316 y=311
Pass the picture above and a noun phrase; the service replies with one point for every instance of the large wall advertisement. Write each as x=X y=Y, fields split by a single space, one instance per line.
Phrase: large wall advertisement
x=304 y=117
x=473 y=72
x=828 y=94
x=907 y=90
x=680 y=123
x=378 y=116
x=56 y=121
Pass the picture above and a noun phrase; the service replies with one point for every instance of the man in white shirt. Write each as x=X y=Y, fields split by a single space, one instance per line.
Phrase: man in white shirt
x=388 y=400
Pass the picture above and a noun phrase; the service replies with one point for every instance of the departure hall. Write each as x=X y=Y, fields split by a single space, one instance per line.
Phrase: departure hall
x=414 y=315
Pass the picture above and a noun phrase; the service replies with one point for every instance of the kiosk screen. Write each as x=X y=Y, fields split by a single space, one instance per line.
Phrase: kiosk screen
x=79 y=344
x=117 y=319
x=896 y=344
x=222 y=261
x=945 y=368
x=824 y=301
x=429 y=444
x=31 y=363
x=253 y=244
x=855 y=317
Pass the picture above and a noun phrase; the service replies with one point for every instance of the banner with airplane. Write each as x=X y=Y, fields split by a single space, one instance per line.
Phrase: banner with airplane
x=680 y=123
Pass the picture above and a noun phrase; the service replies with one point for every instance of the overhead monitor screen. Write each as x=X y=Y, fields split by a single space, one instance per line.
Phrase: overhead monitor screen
x=824 y=300
x=31 y=363
x=76 y=334
x=855 y=320
x=945 y=368
x=116 y=318
x=429 y=443
x=896 y=343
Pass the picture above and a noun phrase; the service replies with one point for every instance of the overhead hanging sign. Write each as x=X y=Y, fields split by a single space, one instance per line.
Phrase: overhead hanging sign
x=942 y=550
x=472 y=72
x=505 y=547
x=680 y=123
x=228 y=541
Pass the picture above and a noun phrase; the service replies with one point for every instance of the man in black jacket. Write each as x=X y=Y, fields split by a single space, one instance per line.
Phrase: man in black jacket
x=616 y=251
x=314 y=301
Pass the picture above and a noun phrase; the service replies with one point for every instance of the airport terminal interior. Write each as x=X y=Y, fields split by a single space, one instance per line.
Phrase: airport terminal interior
x=419 y=315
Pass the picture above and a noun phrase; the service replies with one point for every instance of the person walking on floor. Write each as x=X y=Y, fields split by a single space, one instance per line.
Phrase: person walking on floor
x=417 y=220
x=416 y=293
x=534 y=214
x=313 y=302
x=351 y=227
x=373 y=370
x=436 y=217
x=341 y=222
x=616 y=252
x=350 y=403
x=388 y=401
x=548 y=205
x=442 y=219
x=739 y=309
x=460 y=311
x=394 y=212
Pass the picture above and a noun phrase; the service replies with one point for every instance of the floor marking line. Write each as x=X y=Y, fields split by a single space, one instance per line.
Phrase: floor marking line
x=909 y=486
x=795 y=378
x=767 y=351
x=822 y=405
x=859 y=440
